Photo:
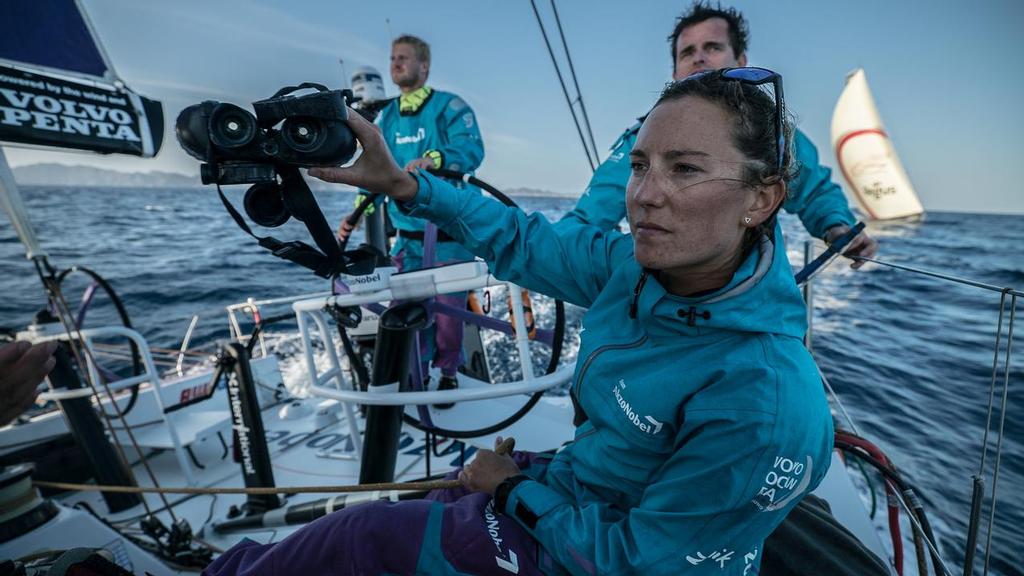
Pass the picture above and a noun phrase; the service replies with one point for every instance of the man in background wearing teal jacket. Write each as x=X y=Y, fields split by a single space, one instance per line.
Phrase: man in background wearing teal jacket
x=426 y=128
x=710 y=38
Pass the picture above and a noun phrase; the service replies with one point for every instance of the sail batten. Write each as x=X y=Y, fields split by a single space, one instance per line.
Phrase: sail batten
x=866 y=156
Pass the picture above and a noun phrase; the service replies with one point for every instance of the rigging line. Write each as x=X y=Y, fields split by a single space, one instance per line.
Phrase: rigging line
x=106 y=417
x=505 y=448
x=839 y=402
x=344 y=488
x=956 y=279
x=55 y=296
x=917 y=525
x=565 y=91
x=912 y=516
x=579 y=93
x=63 y=313
x=1006 y=376
x=978 y=487
x=992 y=384
x=1002 y=422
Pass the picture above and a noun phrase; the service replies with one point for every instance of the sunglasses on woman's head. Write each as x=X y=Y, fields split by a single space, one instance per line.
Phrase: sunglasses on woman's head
x=757 y=76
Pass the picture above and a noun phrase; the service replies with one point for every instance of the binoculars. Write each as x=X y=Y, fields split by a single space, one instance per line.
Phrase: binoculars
x=237 y=147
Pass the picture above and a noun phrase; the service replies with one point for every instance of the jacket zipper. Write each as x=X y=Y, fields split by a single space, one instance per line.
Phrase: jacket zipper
x=593 y=355
x=585 y=434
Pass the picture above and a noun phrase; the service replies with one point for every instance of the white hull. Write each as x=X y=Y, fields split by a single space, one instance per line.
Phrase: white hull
x=51 y=425
x=866 y=156
x=305 y=452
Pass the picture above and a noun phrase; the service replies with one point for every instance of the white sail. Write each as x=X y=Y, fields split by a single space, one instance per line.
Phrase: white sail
x=866 y=156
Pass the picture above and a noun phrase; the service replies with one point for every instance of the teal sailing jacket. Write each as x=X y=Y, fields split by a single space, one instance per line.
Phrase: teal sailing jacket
x=707 y=420
x=446 y=124
x=813 y=195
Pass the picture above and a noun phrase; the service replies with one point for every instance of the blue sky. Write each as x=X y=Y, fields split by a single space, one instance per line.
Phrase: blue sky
x=945 y=76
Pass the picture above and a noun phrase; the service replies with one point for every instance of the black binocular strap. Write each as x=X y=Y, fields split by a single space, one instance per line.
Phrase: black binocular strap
x=297 y=252
x=234 y=214
x=299 y=200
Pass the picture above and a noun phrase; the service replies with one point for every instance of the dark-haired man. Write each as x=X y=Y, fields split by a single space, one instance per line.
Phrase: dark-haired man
x=427 y=128
x=709 y=38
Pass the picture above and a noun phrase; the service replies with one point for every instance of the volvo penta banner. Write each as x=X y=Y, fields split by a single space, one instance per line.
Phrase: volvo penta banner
x=51 y=110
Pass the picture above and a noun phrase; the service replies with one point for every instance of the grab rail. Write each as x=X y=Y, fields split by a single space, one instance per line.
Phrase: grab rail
x=537 y=384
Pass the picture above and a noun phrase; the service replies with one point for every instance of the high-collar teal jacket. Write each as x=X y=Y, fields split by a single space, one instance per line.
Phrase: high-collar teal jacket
x=707 y=419
x=444 y=124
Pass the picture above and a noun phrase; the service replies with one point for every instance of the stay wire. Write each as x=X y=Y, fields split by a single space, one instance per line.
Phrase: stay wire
x=992 y=383
x=576 y=84
x=940 y=276
x=1002 y=423
x=978 y=497
x=79 y=348
x=60 y=307
x=1004 y=291
x=565 y=91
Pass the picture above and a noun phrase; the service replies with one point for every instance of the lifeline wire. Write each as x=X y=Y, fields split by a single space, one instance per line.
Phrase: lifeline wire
x=1002 y=422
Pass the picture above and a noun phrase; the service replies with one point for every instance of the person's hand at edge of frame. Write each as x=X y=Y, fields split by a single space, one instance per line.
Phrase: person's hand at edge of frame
x=862 y=245
x=22 y=367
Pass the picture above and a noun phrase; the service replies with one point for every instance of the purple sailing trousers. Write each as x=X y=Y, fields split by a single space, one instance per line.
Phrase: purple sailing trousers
x=442 y=342
x=450 y=532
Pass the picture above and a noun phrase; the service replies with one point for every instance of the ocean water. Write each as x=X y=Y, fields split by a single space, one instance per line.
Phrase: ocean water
x=910 y=357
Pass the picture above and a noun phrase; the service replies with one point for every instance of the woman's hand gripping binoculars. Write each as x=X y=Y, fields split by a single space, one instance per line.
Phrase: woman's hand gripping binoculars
x=374 y=170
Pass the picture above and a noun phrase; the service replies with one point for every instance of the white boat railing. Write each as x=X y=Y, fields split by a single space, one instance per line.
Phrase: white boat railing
x=252 y=308
x=469 y=394
x=419 y=284
x=149 y=375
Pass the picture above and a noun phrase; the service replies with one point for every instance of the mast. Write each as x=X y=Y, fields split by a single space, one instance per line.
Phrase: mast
x=13 y=205
x=65 y=94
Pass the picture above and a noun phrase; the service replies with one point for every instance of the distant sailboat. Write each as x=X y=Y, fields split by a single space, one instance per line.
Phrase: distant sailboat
x=866 y=156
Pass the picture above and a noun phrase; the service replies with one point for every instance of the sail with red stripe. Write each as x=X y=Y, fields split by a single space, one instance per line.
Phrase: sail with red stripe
x=866 y=156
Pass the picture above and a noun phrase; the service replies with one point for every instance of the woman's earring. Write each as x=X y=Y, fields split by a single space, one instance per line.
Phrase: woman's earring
x=746 y=220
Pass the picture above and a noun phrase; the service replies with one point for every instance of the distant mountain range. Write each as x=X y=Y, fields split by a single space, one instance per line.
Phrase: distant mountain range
x=64 y=175
x=535 y=192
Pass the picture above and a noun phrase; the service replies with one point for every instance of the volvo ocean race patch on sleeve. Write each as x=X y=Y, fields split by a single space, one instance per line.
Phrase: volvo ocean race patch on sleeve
x=784 y=482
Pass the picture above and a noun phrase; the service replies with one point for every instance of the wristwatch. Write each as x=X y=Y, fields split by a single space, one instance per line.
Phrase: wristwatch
x=503 y=490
